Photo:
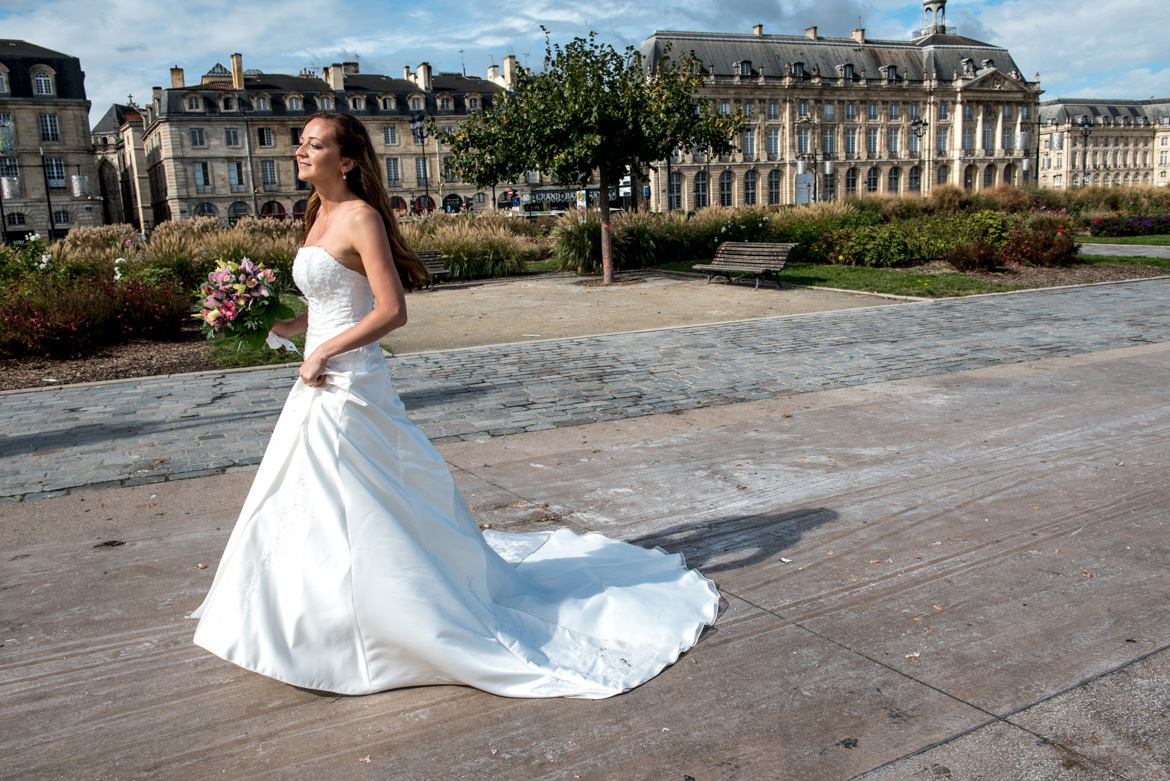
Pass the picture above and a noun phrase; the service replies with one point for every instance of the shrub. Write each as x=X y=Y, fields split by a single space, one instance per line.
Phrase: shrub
x=947 y=198
x=1118 y=225
x=48 y=315
x=1039 y=246
x=879 y=246
x=978 y=255
x=177 y=253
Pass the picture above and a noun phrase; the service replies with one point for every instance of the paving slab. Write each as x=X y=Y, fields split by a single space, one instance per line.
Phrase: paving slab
x=817 y=514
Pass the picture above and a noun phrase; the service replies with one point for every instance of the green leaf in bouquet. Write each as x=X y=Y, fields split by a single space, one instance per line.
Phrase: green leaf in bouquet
x=282 y=311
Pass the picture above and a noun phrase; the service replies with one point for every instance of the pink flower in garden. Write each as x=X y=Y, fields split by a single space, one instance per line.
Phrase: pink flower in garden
x=269 y=275
x=229 y=310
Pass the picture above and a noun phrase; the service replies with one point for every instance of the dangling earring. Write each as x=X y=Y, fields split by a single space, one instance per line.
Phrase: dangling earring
x=343 y=174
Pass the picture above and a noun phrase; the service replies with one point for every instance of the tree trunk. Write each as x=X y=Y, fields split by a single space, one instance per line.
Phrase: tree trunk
x=606 y=241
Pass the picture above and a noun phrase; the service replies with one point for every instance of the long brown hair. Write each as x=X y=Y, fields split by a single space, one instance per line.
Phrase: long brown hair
x=365 y=183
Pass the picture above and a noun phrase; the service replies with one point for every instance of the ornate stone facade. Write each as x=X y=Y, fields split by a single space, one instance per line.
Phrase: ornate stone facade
x=1107 y=143
x=225 y=147
x=829 y=117
x=46 y=157
x=121 y=166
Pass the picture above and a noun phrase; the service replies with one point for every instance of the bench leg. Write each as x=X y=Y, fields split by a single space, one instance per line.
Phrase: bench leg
x=757 y=282
x=709 y=278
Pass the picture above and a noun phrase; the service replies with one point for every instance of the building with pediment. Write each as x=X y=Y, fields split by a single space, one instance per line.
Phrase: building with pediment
x=830 y=117
x=1104 y=143
x=46 y=158
x=224 y=147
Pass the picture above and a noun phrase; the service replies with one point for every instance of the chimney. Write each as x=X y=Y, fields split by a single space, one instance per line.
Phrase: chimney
x=335 y=75
x=423 y=76
x=177 y=78
x=510 y=72
x=858 y=35
x=238 y=71
x=406 y=74
x=493 y=73
x=758 y=29
x=350 y=68
x=810 y=32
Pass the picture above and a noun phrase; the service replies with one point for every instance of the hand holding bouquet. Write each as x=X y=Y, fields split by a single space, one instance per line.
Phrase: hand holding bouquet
x=240 y=301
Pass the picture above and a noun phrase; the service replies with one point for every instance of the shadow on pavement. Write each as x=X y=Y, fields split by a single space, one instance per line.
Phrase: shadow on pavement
x=737 y=541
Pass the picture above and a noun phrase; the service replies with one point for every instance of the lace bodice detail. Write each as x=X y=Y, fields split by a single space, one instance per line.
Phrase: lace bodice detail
x=338 y=298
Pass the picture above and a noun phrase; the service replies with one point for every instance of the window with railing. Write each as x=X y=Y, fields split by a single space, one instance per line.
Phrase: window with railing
x=420 y=169
x=829 y=142
x=802 y=140
x=749 y=145
x=851 y=143
x=988 y=138
x=202 y=177
x=749 y=188
x=268 y=175
x=871 y=142
x=236 y=176
x=392 y=177
x=892 y=141
x=968 y=139
x=941 y=138
x=55 y=172
x=1007 y=138
x=773 y=143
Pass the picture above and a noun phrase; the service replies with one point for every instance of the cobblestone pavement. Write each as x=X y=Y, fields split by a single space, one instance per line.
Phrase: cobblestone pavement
x=1126 y=250
x=126 y=433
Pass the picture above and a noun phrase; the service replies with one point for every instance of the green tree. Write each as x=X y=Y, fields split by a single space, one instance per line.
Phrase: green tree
x=591 y=112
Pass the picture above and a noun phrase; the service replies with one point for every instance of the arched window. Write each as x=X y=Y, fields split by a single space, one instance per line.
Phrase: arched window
x=16 y=219
x=749 y=188
x=3 y=80
x=294 y=103
x=989 y=176
x=871 y=180
x=700 y=190
x=326 y=103
x=943 y=174
x=895 y=179
x=416 y=104
x=398 y=203
x=206 y=209
x=299 y=209
x=473 y=103
x=725 y=184
x=273 y=210
x=43 y=83
x=262 y=103
x=773 y=187
x=358 y=104
x=851 y=181
x=674 y=191
x=387 y=104
x=236 y=211
x=915 y=181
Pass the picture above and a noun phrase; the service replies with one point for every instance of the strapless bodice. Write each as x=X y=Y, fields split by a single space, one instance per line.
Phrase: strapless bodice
x=338 y=298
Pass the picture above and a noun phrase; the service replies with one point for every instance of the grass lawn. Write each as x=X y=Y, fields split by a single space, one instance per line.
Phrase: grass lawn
x=541 y=265
x=1150 y=241
x=225 y=354
x=893 y=281
x=1126 y=260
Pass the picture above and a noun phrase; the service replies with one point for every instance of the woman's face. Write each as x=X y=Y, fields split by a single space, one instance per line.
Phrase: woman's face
x=319 y=159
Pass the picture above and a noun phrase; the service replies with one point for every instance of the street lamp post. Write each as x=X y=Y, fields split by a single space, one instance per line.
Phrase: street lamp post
x=918 y=130
x=418 y=127
x=1086 y=131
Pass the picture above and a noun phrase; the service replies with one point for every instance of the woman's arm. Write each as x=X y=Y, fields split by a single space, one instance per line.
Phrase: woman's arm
x=290 y=328
x=371 y=244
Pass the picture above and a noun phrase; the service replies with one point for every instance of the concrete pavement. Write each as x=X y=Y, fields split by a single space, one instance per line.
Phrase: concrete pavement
x=140 y=431
x=959 y=574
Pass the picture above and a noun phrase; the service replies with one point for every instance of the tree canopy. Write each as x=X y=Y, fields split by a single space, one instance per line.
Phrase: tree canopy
x=591 y=113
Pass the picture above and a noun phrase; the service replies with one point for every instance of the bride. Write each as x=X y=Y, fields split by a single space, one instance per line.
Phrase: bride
x=356 y=566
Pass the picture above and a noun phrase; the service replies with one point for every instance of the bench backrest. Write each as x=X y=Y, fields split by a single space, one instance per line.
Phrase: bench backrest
x=753 y=253
x=431 y=258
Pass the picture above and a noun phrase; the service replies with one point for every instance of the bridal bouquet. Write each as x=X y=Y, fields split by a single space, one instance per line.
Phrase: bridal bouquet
x=240 y=301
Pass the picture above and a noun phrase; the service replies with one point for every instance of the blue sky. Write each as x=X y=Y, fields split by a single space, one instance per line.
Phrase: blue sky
x=1081 y=48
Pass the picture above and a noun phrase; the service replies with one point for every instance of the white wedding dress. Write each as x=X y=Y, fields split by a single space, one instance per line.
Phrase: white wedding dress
x=356 y=566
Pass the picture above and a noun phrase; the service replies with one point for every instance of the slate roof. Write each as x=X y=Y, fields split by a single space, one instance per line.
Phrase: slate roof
x=115 y=117
x=1136 y=112
x=20 y=56
x=939 y=55
x=17 y=48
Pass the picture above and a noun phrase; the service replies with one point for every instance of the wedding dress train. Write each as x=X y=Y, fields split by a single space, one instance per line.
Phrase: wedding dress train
x=356 y=566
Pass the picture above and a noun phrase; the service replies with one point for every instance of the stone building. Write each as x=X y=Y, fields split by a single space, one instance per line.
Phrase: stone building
x=224 y=147
x=1107 y=143
x=121 y=166
x=829 y=117
x=46 y=156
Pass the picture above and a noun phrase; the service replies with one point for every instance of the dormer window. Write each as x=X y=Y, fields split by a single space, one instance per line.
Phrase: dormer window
x=416 y=104
x=294 y=103
x=798 y=70
x=43 y=83
x=357 y=104
x=326 y=103
x=262 y=103
x=745 y=68
x=3 y=80
x=473 y=103
x=444 y=104
x=387 y=104
x=892 y=73
x=229 y=103
x=194 y=103
x=847 y=72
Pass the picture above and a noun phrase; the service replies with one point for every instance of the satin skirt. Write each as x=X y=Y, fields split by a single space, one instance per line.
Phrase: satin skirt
x=356 y=567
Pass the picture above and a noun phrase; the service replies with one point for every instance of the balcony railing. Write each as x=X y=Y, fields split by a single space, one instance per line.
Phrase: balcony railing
x=239 y=188
x=202 y=188
x=57 y=184
x=10 y=186
x=395 y=182
x=271 y=187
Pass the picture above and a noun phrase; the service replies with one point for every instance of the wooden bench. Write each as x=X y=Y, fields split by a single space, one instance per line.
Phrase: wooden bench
x=433 y=260
x=757 y=258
